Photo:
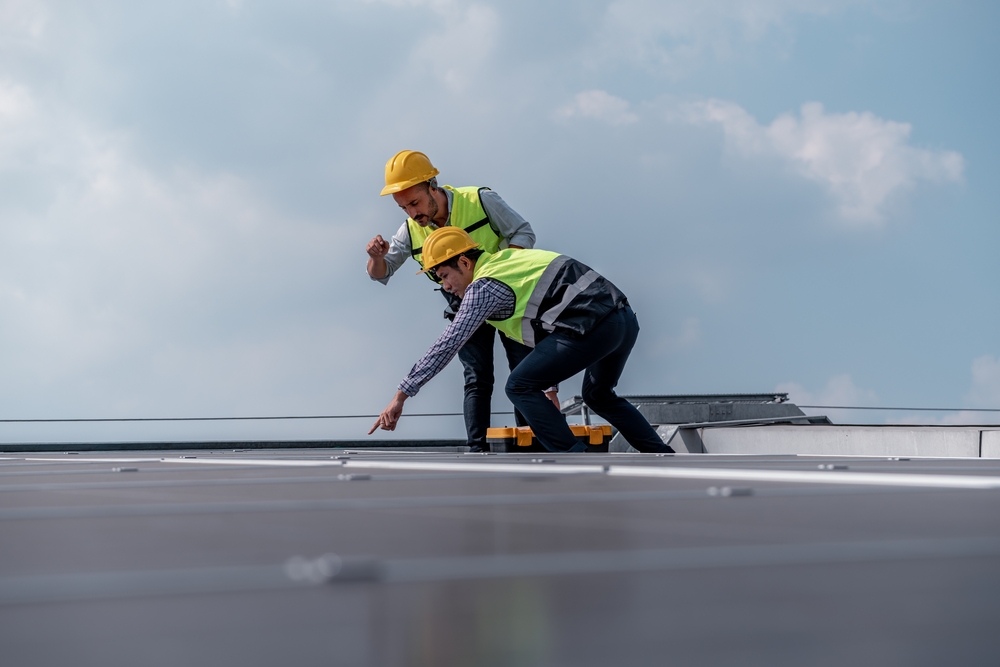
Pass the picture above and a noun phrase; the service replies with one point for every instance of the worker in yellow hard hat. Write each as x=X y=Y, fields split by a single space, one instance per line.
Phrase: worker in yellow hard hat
x=411 y=179
x=573 y=318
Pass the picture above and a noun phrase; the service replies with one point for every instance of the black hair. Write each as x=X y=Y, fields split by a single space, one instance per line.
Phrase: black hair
x=452 y=262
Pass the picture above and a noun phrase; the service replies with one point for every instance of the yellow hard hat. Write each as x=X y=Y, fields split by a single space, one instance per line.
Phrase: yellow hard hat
x=406 y=169
x=444 y=243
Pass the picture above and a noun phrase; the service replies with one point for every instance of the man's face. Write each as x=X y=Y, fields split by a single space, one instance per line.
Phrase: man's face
x=456 y=281
x=418 y=203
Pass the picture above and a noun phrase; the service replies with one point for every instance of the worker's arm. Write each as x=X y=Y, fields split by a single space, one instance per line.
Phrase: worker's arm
x=384 y=258
x=377 y=249
x=514 y=229
x=483 y=299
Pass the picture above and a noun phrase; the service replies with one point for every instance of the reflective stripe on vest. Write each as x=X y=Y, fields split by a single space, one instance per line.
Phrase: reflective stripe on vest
x=531 y=275
x=535 y=300
x=548 y=318
x=467 y=213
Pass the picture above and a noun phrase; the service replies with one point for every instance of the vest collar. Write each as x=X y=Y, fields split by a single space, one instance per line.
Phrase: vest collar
x=451 y=205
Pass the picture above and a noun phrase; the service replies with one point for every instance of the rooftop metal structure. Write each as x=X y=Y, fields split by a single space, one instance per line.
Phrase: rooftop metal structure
x=695 y=408
x=759 y=399
x=394 y=557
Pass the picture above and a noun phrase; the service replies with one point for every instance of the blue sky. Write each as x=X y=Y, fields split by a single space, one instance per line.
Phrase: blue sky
x=796 y=195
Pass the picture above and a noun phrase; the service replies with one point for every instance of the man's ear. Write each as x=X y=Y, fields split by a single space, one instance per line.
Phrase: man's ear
x=467 y=264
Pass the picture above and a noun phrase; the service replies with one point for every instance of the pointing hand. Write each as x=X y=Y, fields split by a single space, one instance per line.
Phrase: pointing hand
x=387 y=420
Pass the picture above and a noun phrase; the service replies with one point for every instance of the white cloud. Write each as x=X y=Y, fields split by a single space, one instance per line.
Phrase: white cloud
x=15 y=103
x=163 y=219
x=689 y=336
x=457 y=53
x=965 y=417
x=839 y=390
x=438 y=5
x=861 y=159
x=111 y=268
x=599 y=105
x=985 y=392
x=671 y=35
x=22 y=20
x=690 y=333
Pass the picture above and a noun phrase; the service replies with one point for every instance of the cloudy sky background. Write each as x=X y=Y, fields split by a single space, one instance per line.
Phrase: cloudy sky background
x=796 y=195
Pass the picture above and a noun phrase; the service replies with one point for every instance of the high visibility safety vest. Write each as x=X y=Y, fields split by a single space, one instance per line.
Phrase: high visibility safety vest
x=467 y=213
x=552 y=292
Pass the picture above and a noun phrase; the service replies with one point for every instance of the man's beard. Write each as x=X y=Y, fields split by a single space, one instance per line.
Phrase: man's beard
x=432 y=211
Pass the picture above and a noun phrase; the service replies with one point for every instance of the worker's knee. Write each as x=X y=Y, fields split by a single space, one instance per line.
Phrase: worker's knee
x=512 y=388
x=596 y=396
x=517 y=385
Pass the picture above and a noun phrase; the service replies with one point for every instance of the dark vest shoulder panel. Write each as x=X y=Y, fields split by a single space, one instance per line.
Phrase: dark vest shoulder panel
x=586 y=309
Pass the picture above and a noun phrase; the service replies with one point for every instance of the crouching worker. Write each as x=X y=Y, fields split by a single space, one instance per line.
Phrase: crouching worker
x=573 y=319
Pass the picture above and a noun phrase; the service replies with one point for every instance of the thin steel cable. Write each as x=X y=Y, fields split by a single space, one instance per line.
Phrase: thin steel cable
x=866 y=407
x=419 y=414
x=218 y=419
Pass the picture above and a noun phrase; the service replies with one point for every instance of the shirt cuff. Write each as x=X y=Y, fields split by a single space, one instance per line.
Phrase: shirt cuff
x=523 y=240
x=384 y=279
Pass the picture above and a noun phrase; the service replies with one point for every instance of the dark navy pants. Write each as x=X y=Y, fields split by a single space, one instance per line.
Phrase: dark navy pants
x=477 y=360
x=601 y=354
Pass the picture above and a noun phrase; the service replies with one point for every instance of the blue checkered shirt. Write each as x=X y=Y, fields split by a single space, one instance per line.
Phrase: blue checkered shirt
x=484 y=299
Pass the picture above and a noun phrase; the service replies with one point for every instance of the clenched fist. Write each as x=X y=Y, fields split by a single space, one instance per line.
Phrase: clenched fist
x=377 y=247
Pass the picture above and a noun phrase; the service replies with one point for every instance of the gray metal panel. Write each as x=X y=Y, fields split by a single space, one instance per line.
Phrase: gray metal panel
x=684 y=413
x=227 y=560
x=707 y=398
x=845 y=440
x=689 y=409
x=990 y=444
x=688 y=440
x=227 y=444
x=670 y=435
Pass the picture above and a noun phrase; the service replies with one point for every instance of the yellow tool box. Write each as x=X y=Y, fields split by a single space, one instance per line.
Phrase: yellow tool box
x=521 y=439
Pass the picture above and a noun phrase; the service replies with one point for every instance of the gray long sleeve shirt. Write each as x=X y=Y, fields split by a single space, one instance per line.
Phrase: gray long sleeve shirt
x=512 y=228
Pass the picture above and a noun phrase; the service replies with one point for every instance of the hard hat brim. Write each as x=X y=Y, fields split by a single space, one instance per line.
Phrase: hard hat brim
x=393 y=188
x=450 y=256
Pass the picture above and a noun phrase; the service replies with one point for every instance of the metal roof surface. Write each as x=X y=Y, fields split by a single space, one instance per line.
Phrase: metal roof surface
x=418 y=558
